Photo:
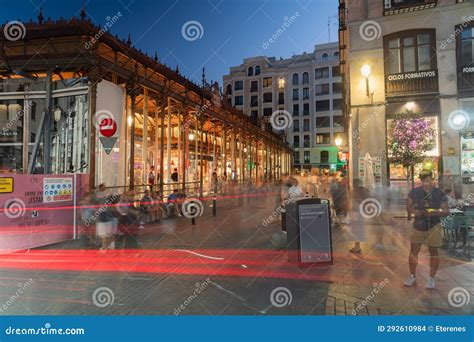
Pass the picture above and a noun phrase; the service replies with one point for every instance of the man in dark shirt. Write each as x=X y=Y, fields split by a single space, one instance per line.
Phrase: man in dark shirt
x=428 y=204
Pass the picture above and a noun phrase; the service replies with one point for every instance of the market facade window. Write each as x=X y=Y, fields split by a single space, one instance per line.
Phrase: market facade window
x=465 y=58
x=410 y=62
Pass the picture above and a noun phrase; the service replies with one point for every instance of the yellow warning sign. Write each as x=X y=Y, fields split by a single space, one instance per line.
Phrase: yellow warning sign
x=6 y=185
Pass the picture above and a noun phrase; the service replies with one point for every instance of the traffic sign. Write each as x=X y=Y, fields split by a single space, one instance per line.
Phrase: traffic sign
x=108 y=127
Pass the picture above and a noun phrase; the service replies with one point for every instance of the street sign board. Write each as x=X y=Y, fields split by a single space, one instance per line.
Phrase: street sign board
x=108 y=127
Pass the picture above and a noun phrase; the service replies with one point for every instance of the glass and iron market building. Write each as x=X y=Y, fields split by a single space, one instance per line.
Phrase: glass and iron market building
x=61 y=83
x=405 y=58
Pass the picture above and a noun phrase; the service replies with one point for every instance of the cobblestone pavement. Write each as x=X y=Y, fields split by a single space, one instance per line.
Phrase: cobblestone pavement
x=228 y=265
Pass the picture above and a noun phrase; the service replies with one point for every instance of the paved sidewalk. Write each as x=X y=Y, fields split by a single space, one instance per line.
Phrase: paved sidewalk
x=227 y=265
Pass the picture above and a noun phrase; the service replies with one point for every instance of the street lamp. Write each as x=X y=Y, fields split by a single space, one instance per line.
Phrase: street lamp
x=191 y=136
x=338 y=141
x=365 y=71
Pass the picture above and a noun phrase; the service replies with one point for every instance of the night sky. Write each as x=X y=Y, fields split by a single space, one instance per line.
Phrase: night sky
x=231 y=29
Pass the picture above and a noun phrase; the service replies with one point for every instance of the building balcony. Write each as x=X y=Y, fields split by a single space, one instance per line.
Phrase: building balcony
x=392 y=7
x=409 y=83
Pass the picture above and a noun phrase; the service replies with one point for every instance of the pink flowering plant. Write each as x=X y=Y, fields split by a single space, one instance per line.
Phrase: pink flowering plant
x=410 y=136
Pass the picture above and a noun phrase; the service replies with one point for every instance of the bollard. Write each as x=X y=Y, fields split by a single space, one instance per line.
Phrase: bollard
x=214 y=207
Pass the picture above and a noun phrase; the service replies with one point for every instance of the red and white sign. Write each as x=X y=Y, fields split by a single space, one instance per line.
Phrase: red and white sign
x=108 y=127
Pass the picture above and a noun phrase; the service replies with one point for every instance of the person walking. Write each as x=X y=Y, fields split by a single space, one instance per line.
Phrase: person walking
x=428 y=204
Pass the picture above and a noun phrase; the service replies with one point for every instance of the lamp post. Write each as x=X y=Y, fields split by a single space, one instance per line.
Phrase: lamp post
x=365 y=70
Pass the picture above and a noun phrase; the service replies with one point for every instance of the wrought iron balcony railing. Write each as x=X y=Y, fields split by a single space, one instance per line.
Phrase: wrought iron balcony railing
x=392 y=7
